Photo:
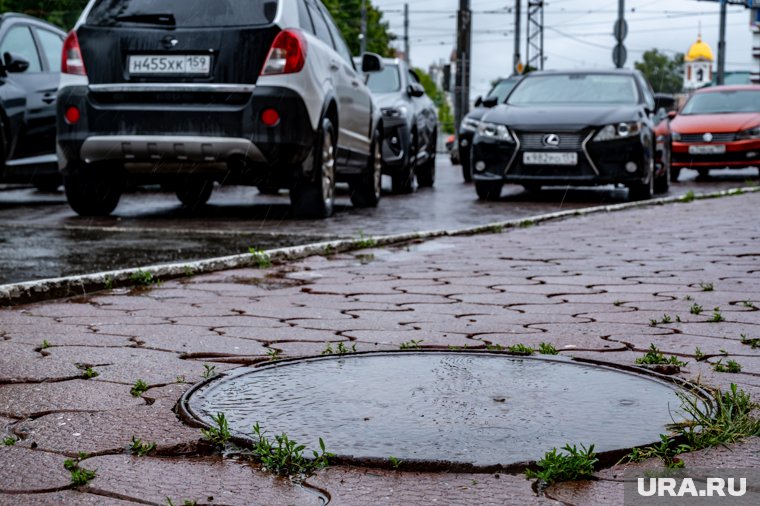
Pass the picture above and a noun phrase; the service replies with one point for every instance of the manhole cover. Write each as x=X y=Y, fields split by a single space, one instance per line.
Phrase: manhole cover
x=472 y=409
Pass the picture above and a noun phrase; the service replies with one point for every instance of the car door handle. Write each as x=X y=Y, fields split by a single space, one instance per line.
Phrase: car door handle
x=355 y=84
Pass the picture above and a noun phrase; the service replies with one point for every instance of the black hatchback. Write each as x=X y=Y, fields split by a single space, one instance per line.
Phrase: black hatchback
x=30 y=63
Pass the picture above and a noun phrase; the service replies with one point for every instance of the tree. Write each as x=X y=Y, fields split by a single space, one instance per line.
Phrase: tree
x=445 y=118
x=347 y=14
x=664 y=73
x=63 y=13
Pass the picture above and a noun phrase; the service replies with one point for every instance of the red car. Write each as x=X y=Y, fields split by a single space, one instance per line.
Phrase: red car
x=717 y=128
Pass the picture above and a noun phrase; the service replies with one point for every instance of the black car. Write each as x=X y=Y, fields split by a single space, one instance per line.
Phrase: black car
x=30 y=52
x=410 y=123
x=469 y=124
x=576 y=128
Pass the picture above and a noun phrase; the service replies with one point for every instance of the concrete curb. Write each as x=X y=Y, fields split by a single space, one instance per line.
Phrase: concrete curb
x=46 y=289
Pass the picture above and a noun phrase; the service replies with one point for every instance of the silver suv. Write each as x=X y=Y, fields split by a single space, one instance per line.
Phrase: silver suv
x=186 y=93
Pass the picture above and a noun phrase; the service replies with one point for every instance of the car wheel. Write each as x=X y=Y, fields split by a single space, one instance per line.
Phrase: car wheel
x=366 y=191
x=426 y=173
x=313 y=196
x=403 y=179
x=662 y=183
x=488 y=190
x=90 y=194
x=268 y=190
x=703 y=172
x=675 y=172
x=47 y=184
x=533 y=188
x=194 y=192
x=642 y=191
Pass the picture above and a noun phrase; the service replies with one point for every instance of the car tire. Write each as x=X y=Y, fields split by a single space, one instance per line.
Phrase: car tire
x=194 y=192
x=426 y=173
x=703 y=173
x=532 y=188
x=675 y=173
x=313 y=196
x=268 y=190
x=662 y=183
x=642 y=191
x=466 y=165
x=90 y=194
x=489 y=190
x=367 y=190
x=402 y=181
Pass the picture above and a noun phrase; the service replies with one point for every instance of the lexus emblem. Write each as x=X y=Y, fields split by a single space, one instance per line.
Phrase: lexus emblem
x=551 y=140
x=169 y=42
x=708 y=137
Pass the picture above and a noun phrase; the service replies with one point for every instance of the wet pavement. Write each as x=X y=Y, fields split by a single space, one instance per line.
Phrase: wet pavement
x=590 y=286
x=40 y=237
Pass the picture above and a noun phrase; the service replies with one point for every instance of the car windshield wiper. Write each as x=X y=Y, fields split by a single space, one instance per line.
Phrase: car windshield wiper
x=150 y=19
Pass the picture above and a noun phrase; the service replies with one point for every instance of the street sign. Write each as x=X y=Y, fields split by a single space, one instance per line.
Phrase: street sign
x=620 y=30
x=619 y=55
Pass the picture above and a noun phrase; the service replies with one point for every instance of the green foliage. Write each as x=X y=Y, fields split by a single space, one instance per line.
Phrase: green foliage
x=261 y=258
x=45 y=345
x=666 y=450
x=445 y=115
x=527 y=224
x=717 y=317
x=139 y=388
x=273 y=354
x=140 y=449
x=665 y=73
x=365 y=241
x=63 y=13
x=706 y=287
x=347 y=14
x=754 y=343
x=573 y=465
x=90 y=373
x=395 y=463
x=699 y=354
x=209 y=371
x=520 y=349
x=79 y=475
x=730 y=367
x=341 y=349
x=547 y=349
x=285 y=456
x=142 y=278
x=689 y=197
x=696 y=309
x=411 y=345
x=655 y=357
x=9 y=441
x=220 y=434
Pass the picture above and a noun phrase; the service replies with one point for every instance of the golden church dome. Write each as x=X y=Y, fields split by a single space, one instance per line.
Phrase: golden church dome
x=699 y=51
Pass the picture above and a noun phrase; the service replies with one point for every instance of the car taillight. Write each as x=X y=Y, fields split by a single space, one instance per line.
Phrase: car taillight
x=287 y=55
x=72 y=62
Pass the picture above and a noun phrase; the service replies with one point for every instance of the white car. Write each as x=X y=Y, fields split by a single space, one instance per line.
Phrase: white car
x=188 y=92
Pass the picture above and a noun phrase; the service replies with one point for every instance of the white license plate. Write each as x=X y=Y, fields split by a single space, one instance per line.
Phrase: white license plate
x=709 y=149
x=550 y=158
x=175 y=64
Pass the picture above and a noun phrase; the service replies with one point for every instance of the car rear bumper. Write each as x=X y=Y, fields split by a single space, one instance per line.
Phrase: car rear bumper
x=178 y=129
x=738 y=154
x=598 y=163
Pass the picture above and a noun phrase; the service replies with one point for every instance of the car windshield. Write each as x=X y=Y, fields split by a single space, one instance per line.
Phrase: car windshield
x=575 y=90
x=387 y=80
x=183 y=13
x=722 y=102
x=502 y=89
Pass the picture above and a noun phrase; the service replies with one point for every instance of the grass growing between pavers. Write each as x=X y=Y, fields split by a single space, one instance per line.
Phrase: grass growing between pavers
x=655 y=357
x=80 y=476
x=572 y=465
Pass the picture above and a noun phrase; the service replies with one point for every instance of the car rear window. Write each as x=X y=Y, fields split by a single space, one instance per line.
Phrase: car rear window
x=183 y=13
x=576 y=89
x=723 y=102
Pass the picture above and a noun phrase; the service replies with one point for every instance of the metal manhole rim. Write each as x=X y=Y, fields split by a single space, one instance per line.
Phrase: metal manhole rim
x=606 y=459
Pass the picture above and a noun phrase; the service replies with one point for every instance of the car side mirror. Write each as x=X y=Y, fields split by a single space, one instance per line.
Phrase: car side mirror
x=490 y=102
x=371 y=63
x=478 y=101
x=416 y=90
x=672 y=114
x=14 y=63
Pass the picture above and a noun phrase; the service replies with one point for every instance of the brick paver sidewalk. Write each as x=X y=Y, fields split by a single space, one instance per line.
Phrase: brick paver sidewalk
x=589 y=285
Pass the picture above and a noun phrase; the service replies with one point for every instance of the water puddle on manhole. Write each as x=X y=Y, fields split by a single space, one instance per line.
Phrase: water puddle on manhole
x=467 y=408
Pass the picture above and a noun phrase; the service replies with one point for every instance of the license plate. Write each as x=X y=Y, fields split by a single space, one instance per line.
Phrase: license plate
x=550 y=158
x=709 y=149
x=175 y=64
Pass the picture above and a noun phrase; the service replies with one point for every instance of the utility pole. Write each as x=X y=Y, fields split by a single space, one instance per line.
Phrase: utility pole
x=462 y=81
x=517 y=60
x=535 y=55
x=620 y=53
x=722 y=44
x=406 y=33
x=363 y=35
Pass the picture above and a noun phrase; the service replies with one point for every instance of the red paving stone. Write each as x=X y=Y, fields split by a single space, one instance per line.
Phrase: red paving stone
x=587 y=285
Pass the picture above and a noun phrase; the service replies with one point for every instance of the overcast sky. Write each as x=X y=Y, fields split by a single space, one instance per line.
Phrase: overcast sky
x=578 y=33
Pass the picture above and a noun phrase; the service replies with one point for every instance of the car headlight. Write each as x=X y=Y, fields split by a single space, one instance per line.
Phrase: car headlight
x=618 y=131
x=660 y=138
x=494 y=131
x=470 y=124
x=675 y=136
x=751 y=134
x=395 y=112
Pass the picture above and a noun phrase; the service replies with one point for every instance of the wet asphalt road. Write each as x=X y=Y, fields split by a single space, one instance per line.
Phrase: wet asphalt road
x=40 y=237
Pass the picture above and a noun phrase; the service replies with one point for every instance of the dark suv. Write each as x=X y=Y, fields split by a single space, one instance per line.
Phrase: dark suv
x=186 y=93
x=30 y=52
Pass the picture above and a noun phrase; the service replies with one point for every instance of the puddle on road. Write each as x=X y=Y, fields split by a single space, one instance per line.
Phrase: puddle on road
x=479 y=409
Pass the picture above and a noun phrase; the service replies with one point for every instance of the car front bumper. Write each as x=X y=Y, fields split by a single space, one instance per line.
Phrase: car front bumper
x=738 y=154
x=396 y=144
